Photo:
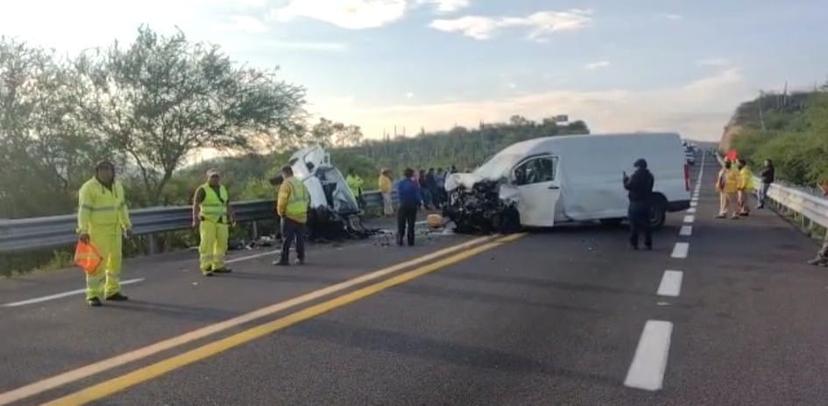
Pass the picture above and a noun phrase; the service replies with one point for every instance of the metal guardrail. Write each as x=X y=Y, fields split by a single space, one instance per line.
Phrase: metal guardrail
x=59 y=231
x=813 y=208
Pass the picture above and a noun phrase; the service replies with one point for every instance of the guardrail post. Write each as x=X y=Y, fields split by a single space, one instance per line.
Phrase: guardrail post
x=152 y=244
x=255 y=230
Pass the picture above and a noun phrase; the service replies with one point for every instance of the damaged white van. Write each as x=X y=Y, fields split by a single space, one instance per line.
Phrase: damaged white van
x=547 y=181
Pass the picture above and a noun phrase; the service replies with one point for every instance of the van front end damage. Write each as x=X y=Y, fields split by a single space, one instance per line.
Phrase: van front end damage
x=481 y=208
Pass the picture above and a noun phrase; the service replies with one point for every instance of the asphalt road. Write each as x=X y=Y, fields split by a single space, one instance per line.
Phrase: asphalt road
x=550 y=317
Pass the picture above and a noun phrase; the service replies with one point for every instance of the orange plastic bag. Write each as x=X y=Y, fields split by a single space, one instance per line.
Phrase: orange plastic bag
x=87 y=257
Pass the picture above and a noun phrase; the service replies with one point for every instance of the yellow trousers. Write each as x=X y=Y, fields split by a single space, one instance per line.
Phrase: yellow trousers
x=108 y=241
x=213 y=245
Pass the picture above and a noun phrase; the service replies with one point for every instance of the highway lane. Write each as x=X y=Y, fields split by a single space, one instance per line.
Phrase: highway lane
x=552 y=318
x=60 y=335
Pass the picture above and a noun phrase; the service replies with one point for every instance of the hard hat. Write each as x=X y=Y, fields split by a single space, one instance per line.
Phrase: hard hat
x=213 y=172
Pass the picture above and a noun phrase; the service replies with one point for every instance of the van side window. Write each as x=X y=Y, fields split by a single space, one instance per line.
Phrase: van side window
x=536 y=170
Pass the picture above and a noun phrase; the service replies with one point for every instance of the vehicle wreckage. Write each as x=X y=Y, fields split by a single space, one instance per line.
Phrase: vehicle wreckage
x=334 y=212
x=547 y=181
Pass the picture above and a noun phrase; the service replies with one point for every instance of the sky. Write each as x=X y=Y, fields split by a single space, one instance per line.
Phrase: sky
x=632 y=65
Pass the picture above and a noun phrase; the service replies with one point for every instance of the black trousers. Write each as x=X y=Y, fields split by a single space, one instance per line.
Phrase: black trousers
x=639 y=214
x=292 y=230
x=406 y=217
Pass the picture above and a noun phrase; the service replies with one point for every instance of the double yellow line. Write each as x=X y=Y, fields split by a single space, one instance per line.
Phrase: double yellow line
x=118 y=384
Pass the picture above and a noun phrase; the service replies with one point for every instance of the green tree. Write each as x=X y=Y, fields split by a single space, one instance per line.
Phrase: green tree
x=45 y=148
x=162 y=97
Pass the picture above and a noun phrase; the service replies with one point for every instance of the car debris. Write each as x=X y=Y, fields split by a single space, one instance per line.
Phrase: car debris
x=334 y=212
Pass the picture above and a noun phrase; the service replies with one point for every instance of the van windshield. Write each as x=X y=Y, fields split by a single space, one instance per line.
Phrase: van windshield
x=497 y=167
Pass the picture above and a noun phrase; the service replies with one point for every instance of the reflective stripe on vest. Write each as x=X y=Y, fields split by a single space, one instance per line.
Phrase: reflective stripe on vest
x=214 y=207
x=298 y=201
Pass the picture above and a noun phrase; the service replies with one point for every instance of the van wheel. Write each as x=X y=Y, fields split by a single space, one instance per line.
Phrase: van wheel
x=611 y=222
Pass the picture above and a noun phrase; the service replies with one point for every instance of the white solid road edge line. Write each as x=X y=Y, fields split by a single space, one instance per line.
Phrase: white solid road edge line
x=60 y=295
x=686 y=231
x=650 y=361
x=680 y=250
x=670 y=283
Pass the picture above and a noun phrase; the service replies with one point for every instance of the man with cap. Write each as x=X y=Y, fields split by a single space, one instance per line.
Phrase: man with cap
x=640 y=188
x=213 y=216
x=292 y=206
x=103 y=221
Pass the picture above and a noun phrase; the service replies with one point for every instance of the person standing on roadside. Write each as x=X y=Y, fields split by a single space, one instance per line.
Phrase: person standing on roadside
x=640 y=187
x=821 y=258
x=103 y=222
x=727 y=184
x=410 y=197
x=276 y=182
x=768 y=176
x=385 y=185
x=745 y=188
x=212 y=216
x=292 y=206
x=425 y=192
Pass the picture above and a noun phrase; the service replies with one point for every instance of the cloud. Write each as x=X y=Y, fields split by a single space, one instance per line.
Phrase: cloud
x=540 y=24
x=409 y=95
x=349 y=14
x=447 y=6
x=597 y=65
x=698 y=109
x=674 y=17
x=714 y=62
x=307 y=46
x=248 y=24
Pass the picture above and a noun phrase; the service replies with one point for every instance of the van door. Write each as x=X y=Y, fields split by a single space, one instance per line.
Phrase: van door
x=539 y=189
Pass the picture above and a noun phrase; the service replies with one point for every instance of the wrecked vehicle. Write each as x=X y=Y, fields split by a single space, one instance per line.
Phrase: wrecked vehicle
x=334 y=211
x=547 y=181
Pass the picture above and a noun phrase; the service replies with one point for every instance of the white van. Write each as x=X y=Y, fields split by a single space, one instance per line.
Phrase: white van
x=547 y=181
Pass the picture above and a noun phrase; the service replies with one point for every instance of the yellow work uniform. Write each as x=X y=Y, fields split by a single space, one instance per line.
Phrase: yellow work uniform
x=385 y=191
x=213 y=228
x=728 y=186
x=293 y=200
x=745 y=179
x=103 y=214
x=355 y=184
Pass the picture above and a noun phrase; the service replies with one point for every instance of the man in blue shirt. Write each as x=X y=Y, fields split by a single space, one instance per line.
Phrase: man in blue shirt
x=410 y=196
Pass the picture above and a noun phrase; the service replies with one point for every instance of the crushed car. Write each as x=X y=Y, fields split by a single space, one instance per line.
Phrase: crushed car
x=547 y=181
x=334 y=212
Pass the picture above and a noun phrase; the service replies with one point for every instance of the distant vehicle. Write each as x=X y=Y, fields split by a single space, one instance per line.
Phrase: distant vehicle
x=552 y=180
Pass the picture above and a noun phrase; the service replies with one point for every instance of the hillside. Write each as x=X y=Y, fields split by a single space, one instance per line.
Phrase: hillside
x=791 y=130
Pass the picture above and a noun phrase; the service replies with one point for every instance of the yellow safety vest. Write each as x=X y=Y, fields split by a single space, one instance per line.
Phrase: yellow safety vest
x=298 y=202
x=745 y=179
x=214 y=206
x=100 y=208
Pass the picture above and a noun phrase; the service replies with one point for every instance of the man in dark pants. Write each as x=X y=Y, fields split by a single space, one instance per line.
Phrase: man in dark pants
x=410 y=197
x=640 y=187
x=292 y=206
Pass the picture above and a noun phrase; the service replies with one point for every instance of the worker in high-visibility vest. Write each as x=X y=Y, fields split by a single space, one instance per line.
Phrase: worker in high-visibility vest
x=355 y=183
x=745 y=188
x=213 y=216
x=292 y=206
x=103 y=221
x=727 y=184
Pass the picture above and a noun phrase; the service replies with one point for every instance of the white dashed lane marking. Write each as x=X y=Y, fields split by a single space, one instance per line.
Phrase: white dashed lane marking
x=680 y=250
x=650 y=361
x=670 y=283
